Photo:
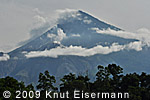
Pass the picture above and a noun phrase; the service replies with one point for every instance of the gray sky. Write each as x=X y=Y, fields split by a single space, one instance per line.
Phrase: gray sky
x=17 y=17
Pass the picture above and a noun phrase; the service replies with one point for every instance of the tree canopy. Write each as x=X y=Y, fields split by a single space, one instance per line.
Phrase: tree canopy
x=108 y=79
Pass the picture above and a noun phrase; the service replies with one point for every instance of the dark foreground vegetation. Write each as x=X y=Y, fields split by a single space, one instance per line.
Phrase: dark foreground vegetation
x=108 y=79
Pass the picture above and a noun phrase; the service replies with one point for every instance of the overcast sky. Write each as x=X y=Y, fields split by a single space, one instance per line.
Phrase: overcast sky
x=17 y=17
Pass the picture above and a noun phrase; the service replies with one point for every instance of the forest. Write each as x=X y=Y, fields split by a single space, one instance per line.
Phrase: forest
x=110 y=83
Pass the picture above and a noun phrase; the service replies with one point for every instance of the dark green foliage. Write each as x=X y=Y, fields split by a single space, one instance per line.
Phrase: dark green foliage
x=108 y=79
x=72 y=82
x=12 y=85
x=46 y=82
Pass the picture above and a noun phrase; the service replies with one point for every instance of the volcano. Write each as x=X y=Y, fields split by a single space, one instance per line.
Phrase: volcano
x=74 y=45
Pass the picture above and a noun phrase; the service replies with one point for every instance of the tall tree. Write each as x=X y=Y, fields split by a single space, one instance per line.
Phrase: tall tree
x=46 y=83
x=72 y=82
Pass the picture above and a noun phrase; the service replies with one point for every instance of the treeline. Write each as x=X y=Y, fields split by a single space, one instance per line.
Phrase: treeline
x=109 y=83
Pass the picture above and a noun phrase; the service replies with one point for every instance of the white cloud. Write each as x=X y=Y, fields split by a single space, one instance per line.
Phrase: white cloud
x=5 y=57
x=75 y=35
x=57 y=37
x=63 y=11
x=56 y=42
x=60 y=35
x=141 y=34
x=66 y=14
x=44 y=22
x=137 y=45
x=37 y=11
x=80 y=51
x=51 y=35
x=39 y=21
x=87 y=21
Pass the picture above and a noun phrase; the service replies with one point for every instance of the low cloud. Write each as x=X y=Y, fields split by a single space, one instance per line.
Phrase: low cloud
x=142 y=34
x=75 y=35
x=39 y=21
x=5 y=57
x=57 y=37
x=80 y=51
x=87 y=21
x=67 y=13
x=39 y=26
x=43 y=22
